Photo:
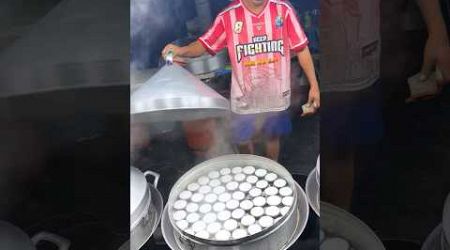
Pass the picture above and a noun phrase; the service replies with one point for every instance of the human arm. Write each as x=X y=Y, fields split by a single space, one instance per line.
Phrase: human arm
x=194 y=49
x=436 y=52
x=307 y=65
x=298 y=42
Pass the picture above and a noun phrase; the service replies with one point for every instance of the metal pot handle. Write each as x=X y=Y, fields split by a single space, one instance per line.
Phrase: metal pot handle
x=154 y=175
x=60 y=242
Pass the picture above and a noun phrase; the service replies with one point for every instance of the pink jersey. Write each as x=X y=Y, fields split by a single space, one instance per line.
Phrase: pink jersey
x=259 y=48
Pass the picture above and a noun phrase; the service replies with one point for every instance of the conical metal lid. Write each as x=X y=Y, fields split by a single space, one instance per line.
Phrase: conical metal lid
x=174 y=94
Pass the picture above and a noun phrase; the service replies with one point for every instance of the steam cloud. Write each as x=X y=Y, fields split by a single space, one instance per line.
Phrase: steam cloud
x=148 y=20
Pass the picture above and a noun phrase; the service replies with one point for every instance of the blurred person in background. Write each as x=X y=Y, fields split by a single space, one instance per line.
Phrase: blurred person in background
x=351 y=105
x=259 y=35
x=351 y=116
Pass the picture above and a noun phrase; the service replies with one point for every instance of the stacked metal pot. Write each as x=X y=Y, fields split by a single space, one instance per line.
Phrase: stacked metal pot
x=146 y=205
x=235 y=202
x=205 y=65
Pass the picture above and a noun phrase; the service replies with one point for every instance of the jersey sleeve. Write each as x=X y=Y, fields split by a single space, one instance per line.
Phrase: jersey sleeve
x=214 y=40
x=297 y=38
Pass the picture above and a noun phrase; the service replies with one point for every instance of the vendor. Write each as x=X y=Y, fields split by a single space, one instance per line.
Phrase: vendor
x=259 y=35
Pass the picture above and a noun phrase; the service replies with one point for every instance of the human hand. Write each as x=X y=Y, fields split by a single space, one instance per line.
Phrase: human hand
x=313 y=103
x=176 y=51
x=422 y=89
x=436 y=53
x=435 y=70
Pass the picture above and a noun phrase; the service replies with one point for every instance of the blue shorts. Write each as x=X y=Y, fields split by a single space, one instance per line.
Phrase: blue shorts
x=271 y=124
x=351 y=118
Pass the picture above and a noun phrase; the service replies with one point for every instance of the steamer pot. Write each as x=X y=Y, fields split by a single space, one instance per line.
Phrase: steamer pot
x=279 y=236
x=146 y=206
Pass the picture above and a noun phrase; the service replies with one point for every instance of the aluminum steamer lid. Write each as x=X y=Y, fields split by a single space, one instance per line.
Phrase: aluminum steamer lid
x=174 y=94
x=140 y=196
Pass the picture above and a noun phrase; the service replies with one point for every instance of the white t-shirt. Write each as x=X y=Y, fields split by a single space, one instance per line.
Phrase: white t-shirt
x=349 y=44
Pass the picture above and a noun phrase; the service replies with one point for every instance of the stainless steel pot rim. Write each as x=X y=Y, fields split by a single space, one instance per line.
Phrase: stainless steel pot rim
x=158 y=205
x=303 y=222
x=339 y=222
x=232 y=161
x=169 y=232
x=313 y=191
